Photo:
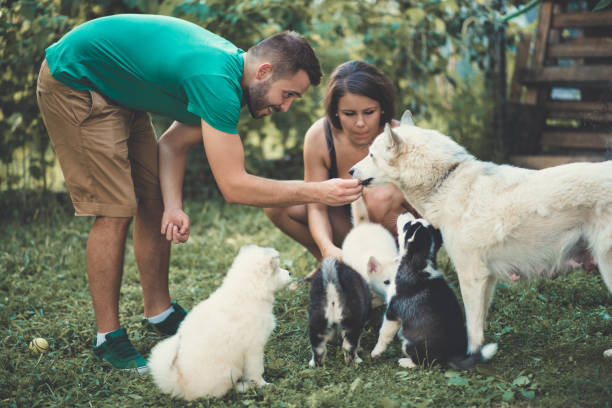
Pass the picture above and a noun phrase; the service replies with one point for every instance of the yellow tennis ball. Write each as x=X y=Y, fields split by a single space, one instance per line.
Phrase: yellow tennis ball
x=39 y=345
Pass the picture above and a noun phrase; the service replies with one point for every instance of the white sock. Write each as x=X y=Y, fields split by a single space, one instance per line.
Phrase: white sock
x=100 y=338
x=162 y=316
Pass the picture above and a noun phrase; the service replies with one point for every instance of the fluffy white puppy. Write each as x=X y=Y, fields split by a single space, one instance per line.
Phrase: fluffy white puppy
x=221 y=342
x=371 y=250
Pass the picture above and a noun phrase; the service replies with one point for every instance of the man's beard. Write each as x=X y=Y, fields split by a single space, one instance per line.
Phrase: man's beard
x=256 y=98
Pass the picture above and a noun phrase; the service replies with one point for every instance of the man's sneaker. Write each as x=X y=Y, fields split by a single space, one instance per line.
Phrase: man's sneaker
x=170 y=324
x=120 y=353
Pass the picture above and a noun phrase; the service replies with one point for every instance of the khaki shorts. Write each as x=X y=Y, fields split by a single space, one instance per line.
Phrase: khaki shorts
x=108 y=154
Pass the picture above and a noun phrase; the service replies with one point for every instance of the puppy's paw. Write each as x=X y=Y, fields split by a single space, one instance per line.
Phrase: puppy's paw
x=263 y=383
x=377 y=351
x=358 y=360
x=312 y=363
x=242 y=386
x=607 y=353
x=406 y=363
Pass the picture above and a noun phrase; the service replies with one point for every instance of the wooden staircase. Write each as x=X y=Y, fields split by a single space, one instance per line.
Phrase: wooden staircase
x=560 y=104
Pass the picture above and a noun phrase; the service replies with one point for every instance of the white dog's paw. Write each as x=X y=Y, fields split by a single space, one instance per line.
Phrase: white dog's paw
x=242 y=386
x=358 y=360
x=263 y=383
x=378 y=350
x=312 y=363
x=406 y=363
x=607 y=353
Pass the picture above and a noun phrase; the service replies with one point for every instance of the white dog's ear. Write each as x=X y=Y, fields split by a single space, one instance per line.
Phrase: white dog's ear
x=373 y=265
x=407 y=118
x=393 y=140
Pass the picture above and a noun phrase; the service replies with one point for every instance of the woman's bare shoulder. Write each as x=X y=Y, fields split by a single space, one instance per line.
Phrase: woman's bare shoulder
x=315 y=134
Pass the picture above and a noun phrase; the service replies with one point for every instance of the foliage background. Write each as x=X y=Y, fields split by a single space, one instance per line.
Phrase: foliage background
x=438 y=54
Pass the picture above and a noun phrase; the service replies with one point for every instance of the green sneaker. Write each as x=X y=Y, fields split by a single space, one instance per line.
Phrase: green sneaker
x=170 y=324
x=120 y=353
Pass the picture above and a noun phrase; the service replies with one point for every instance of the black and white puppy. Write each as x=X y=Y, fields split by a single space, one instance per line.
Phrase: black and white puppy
x=340 y=302
x=422 y=308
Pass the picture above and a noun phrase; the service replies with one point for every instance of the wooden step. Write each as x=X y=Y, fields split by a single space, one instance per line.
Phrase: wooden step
x=543 y=161
x=595 y=111
x=578 y=106
x=582 y=19
x=581 y=47
x=585 y=140
x=578 y=74
x=588 y=115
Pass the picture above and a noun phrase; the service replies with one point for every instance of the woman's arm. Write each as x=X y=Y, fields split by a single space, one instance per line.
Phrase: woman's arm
x=316 y=168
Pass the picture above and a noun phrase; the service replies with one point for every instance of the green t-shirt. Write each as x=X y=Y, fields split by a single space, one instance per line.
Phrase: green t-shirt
x=157 y=64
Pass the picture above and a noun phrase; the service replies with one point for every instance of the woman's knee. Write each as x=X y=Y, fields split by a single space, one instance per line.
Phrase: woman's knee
x=275 y=214
x=380 y=204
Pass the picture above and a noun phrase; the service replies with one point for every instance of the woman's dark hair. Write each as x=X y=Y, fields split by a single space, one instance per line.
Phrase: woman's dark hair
x=361 y=78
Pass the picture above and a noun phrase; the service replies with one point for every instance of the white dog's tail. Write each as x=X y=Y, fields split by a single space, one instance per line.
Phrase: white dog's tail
x=359 y=211
x=162 y=363
x=485 y=353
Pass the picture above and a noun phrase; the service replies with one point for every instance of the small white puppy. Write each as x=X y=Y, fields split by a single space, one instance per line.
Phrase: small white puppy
x=371 y=250
x=221 y=342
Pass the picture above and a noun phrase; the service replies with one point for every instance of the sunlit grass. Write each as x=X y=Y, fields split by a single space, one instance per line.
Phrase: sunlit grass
x=551 y=333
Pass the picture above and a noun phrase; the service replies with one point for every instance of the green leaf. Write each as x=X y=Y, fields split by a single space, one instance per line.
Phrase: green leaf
x=416 y=15
x=528 y=394
x=521 y=381
x=458 y=381
x=602 y=5
x=508 y=395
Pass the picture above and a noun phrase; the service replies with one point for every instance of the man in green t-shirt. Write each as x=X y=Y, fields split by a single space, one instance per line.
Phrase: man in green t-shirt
x=95 y=89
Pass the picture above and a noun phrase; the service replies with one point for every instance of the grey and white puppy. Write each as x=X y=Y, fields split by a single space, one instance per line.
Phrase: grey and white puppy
x=340 y=302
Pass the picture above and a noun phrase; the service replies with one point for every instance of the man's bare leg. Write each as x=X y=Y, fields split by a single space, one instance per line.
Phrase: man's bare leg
x=152 y=252
x=104 y=258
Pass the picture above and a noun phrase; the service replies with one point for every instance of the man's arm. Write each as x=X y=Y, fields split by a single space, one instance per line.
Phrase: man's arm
x=173 y=148
x=225 y=155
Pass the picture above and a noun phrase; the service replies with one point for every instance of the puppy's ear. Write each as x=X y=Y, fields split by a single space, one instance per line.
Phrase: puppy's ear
x=419 y=242
x=409 y=232
x=437 y=238
x=373 y=265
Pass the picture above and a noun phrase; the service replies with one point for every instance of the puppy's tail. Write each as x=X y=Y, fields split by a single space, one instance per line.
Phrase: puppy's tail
x=162 y=363
x=329 y=272
x=359 y=211
x=466 y=362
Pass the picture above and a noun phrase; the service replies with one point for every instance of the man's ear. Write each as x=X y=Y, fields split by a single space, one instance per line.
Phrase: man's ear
x=264 y=71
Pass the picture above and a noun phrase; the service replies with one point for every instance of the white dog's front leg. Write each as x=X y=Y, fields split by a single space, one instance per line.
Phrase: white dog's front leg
x=476 y=292
x=254 y=367
x=385 y=335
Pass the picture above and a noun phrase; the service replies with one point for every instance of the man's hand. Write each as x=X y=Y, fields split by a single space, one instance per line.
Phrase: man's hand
x=337 y=192
x=175 y=225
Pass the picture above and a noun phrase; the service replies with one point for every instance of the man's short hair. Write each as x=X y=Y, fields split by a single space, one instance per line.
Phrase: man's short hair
x=288 y=52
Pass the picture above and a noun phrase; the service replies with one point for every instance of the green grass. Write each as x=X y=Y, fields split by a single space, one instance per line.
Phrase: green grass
x=551 y=333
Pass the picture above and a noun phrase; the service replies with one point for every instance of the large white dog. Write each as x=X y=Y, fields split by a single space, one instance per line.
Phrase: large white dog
x=221 y=342
x=498 y=222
